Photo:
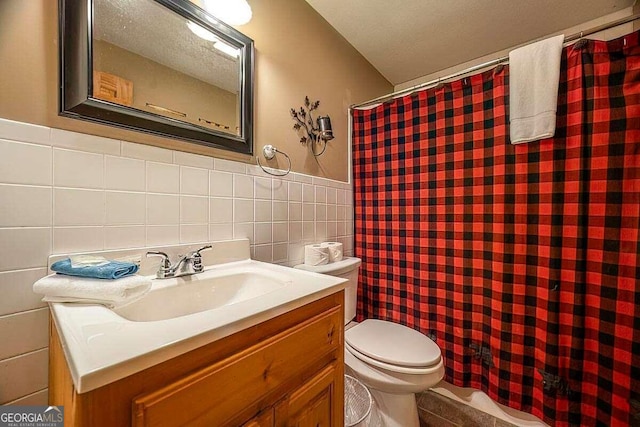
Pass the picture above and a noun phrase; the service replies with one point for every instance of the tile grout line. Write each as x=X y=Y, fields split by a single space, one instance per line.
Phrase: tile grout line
x=53 y=195
x=12 y=402
x=28 y=353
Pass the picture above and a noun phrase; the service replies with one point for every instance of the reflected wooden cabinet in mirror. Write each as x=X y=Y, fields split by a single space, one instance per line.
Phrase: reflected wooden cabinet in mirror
x=165 y=67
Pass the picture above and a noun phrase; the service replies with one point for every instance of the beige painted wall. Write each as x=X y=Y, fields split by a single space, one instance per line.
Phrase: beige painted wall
x=297 y=54
x=603 y=35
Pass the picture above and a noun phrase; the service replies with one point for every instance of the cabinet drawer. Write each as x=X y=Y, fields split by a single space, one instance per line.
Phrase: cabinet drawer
x=215 y=394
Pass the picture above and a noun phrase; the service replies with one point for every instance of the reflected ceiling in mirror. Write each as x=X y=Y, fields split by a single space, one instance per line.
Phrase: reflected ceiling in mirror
x=168 y=62
x=136 y=44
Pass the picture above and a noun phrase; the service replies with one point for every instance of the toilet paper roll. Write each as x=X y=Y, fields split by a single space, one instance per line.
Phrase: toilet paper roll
x=335 y=250
x=316 y=255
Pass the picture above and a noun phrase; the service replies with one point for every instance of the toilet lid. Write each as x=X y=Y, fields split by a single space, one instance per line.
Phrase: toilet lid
x=337 y=268
x=393 y=343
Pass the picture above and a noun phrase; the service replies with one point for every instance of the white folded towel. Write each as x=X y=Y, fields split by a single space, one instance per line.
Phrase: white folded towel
x=534 y=76
x=112 y=293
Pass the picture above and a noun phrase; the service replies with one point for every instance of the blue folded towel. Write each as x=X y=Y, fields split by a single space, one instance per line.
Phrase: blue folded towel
x=110 y=270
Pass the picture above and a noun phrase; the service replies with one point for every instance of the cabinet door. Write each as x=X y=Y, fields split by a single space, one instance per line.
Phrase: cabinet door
x=112 y=88
x=317 y=403
x=265 y=419
x=242 y=380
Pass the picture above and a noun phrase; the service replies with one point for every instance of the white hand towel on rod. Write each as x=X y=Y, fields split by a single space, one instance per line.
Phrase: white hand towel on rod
x=534 y=77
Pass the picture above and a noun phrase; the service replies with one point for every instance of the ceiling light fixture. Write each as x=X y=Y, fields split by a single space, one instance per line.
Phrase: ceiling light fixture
x=233 y=12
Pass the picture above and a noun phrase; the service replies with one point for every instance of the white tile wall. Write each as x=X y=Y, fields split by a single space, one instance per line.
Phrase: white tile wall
x=243 y=186
x=24 y=163
x=24 y=247
x=195 y=160
x=84 y=142
x=24 y=132
x=280 y=189
x=124 y=174
x=121 y=237
x=158 y=235
x=15 y=288
x=73 y=206
x=77 y=239
x=280 y=252
x=12 y=327
x=221 y=231
x=65 y=192
x=321 y=194
x=125 y=208
x=25 y=206
x=38 y=398
x=280 y=232
x=295 y=192
x=24 y=374
x=163 y=209
x=163 y=178
x=242 y=210
x=194 y=210
x=77 y=169
x=280 y=210
x=146 y=152
x=263 y=210
x=295 y=211
x=262 y=188
x=262 y=233
x=190 y=233
x=194 y=181
x=220 y=184
x=220 y=210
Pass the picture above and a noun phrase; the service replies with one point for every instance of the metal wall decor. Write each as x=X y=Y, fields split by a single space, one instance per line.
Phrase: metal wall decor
x=313 y=131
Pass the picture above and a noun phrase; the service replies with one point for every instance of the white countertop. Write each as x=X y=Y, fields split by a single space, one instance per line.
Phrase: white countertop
x=102 y=347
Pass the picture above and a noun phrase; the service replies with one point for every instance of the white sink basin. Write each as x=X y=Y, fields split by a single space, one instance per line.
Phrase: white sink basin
x=180 y=314
x=171 y=298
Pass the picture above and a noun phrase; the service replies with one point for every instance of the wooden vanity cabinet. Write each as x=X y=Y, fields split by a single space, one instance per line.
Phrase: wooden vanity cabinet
x=287 y=371
x=264 y=419
x=313 y=403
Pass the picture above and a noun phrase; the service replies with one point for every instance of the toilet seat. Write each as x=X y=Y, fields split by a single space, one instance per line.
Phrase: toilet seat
x=389 y=381
x=392 y=347
x=391 y=367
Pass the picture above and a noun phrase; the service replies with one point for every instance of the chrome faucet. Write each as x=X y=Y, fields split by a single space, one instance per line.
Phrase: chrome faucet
x=188 y=264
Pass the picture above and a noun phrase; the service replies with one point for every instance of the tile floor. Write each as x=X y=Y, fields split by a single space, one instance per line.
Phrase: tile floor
x=439 y=411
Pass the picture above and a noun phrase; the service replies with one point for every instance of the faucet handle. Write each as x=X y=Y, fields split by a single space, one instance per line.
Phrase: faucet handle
x=202 y=249
x=196 y=258
x=165 y=264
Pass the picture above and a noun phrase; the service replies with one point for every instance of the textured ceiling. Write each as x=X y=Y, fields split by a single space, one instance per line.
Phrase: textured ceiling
x=407 y=39
x=148 y=29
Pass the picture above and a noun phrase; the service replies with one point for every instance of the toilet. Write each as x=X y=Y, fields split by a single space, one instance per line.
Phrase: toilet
x=392 y=360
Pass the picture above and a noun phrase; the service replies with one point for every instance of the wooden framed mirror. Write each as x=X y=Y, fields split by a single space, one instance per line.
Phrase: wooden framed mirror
x=159 y=66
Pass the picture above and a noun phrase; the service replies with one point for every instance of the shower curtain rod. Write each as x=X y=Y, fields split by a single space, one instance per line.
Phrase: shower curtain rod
x=434 y=82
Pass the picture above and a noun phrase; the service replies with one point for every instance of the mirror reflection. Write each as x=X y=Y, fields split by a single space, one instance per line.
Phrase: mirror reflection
x=149 y=58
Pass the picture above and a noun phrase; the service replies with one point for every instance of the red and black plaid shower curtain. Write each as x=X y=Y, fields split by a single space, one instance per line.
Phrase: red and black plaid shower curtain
x=522 y=262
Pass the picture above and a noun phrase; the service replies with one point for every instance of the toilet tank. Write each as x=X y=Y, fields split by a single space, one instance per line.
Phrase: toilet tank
x=348 y=269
